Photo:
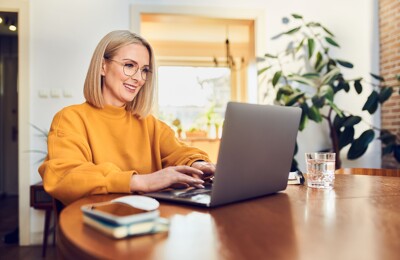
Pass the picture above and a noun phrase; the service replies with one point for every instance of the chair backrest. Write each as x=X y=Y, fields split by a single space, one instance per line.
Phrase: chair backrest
x=369 y=171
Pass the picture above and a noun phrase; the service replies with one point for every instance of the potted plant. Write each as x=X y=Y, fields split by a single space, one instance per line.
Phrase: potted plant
x=312 y=86
x=177 y=124
x=42 y=134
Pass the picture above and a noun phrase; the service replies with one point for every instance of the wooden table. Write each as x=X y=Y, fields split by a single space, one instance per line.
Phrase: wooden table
x=358 y=219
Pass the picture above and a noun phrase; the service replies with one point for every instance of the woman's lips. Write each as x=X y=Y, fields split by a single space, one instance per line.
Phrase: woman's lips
x=130 y=88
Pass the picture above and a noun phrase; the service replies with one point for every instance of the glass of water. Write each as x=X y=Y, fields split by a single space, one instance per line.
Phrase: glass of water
x=320 y=170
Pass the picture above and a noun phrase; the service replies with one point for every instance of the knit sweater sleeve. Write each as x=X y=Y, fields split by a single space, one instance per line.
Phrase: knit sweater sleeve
x=68 y=172
x=174 y=152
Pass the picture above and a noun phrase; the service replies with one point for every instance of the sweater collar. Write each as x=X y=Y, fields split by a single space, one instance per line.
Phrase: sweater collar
x=113 y=111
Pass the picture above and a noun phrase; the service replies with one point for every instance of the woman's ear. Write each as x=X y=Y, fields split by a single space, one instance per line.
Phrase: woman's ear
x=103 y=67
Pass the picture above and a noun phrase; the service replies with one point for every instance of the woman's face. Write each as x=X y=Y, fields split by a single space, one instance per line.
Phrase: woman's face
x=118 y=88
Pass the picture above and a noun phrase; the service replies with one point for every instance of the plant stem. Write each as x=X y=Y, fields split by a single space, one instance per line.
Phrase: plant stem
x=334 y=140
x=318 y=39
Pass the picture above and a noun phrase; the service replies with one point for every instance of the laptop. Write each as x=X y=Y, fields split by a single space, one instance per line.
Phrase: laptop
x=254 y=159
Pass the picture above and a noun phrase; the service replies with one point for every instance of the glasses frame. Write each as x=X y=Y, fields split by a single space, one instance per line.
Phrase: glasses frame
x=134 y=73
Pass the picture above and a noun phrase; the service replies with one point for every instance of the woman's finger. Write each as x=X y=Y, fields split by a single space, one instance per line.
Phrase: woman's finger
x=207 y=168
x=188 y=170
x=180 y=185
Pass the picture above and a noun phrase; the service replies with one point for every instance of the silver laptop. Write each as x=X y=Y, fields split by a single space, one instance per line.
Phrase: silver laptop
x=254 y=159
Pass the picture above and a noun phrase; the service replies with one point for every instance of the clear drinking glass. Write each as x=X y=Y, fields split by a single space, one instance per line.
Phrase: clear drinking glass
x=320 y=170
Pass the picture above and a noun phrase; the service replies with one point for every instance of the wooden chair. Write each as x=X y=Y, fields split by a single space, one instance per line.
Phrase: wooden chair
x=57 y=207
x=41 y=200
x=369 y=171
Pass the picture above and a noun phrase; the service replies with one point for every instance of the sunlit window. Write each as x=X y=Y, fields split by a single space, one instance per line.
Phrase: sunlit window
x=193 y=99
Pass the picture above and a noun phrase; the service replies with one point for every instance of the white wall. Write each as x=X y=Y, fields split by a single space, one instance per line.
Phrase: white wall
x=64 y=34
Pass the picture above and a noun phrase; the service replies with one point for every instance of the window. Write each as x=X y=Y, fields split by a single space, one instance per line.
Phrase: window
x=203 y=64
x=194 y=98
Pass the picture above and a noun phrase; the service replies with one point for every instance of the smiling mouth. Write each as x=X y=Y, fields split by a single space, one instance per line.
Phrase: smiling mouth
x=130 y=88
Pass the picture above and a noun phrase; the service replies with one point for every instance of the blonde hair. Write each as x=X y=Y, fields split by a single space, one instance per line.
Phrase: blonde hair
x=142 y=104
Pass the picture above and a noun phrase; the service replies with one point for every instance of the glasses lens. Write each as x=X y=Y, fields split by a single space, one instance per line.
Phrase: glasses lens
x=145 y=72
x=130 y=69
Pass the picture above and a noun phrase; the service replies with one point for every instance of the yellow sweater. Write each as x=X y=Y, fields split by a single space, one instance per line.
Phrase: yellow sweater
x=96 y=151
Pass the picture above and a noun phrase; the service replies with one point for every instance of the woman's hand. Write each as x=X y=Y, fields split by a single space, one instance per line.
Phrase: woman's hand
x=185 y=175
x=207 y=168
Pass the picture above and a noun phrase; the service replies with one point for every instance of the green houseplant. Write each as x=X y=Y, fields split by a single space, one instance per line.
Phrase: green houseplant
x=305 y=74
x=42 y=134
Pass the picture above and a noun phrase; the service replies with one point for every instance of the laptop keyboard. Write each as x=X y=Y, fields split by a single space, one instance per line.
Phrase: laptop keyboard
x=192 y=192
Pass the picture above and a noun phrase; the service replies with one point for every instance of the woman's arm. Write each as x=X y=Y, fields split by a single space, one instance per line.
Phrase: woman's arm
x=174 y=152
x=69 y=171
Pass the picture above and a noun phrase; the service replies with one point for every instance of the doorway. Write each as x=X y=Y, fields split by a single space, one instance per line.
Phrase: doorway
x=8 y=104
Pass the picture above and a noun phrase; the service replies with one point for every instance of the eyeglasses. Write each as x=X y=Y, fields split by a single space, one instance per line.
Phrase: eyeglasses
x=131 y=67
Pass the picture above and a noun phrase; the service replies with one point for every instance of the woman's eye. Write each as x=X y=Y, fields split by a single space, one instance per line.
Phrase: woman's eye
x=129 y=65
x=146 y=70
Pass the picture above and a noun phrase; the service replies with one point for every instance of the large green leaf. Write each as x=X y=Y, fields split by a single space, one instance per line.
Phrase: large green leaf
x=313 y=24
x=261 y=71
x=342 y=84
x=311 y=46
x=294 y=98
x=385 y=94
x=304 y=117
x=358 y=86
x=292 y=31
x=304 y=107
x=318 y=101
x=387 y=137
x=346 y=137
x=396 y=152
x=297 y=16
x=388 y=149
x=331 y=41
x=311 y=75
x=300 y=45
x=360 y=145
x=271 y=56
x=372 y=102
x=302 y=80
x=276 y=77
x=338 y=122
x=326 y=91
x=377 y=77
x=320 y=66
x=285 y=90
x=346 y=86
x=314 y=114
x=328 y=77
x=335 y=108
x=318 y=60
x=327 y=31
x=351 y=121
x=345 y=64
x=277 y=36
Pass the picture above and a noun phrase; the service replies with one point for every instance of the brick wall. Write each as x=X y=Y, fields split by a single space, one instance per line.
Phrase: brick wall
x=389 y=23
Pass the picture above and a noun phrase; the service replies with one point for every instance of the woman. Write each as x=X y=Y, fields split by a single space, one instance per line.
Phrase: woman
x=111 y=143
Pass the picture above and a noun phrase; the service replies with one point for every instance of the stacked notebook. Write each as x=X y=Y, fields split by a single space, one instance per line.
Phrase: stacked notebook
x=125 y=216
